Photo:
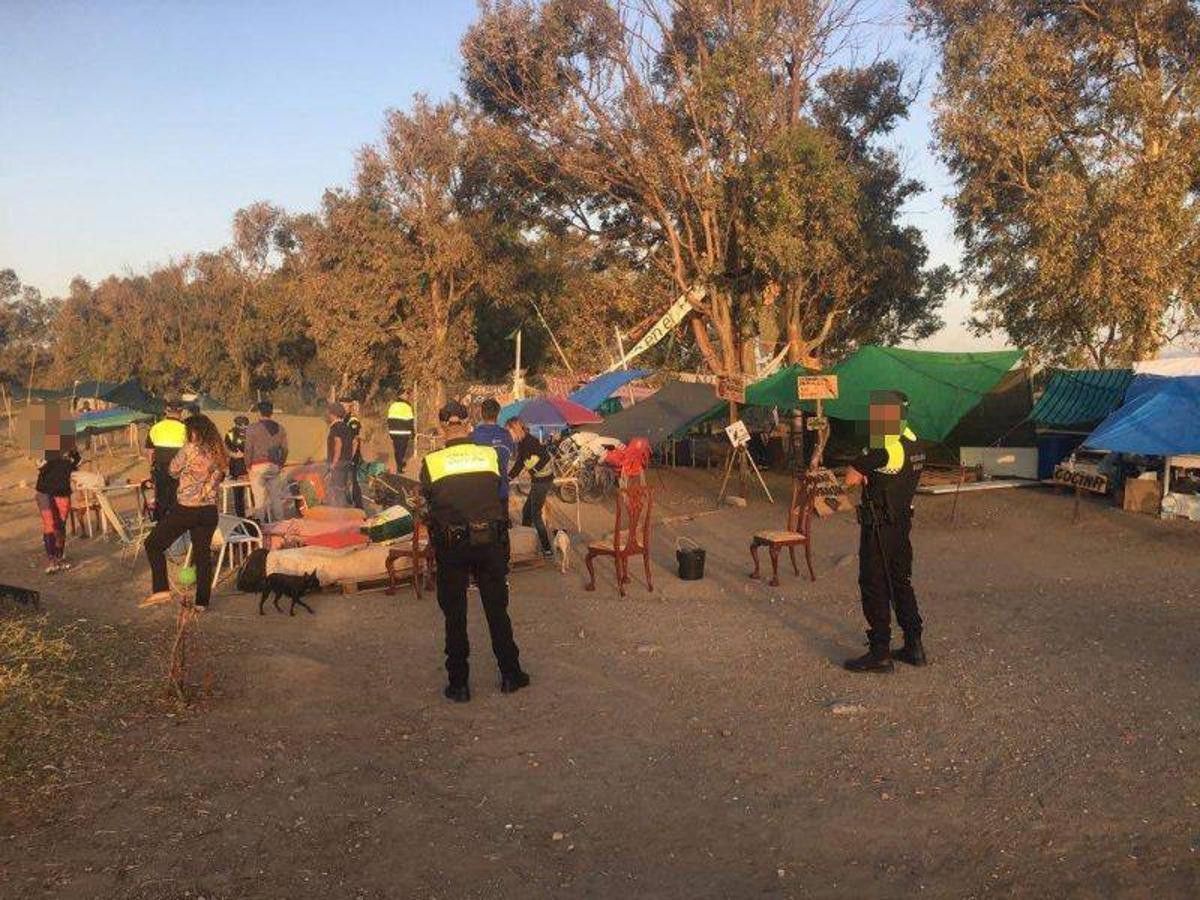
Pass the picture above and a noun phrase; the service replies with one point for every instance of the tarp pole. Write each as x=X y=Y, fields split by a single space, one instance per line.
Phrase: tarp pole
x=557 y=346
x=518 y=386
x=624 y=363
x=7 y=408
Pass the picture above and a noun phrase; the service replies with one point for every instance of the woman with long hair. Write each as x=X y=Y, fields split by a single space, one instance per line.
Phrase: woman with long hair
x=200 y=467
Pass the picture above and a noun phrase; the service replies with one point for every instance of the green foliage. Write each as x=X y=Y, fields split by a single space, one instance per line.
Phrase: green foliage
x=24 y=329
x=609 y=157
x=1073 y=131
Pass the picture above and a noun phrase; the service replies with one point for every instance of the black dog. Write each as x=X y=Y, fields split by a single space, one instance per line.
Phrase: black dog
x=292 y=586
x=20 y=596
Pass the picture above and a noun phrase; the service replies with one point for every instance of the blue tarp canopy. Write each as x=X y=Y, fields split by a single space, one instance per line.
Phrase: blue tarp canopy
x=604 y=386
x=1160 y=417
x=1080 y=397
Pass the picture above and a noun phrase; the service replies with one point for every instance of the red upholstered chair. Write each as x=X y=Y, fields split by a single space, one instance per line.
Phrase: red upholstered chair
x=422 y=556
x=798 y=531
x=630 y=537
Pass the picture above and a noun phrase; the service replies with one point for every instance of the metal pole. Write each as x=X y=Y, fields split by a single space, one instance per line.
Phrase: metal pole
x=518 y=385
x=624 y=363
x=557 y=346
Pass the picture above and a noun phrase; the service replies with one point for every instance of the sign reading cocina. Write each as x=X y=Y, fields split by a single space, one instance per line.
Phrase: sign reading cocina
x=1083 y=479
x=817 y=387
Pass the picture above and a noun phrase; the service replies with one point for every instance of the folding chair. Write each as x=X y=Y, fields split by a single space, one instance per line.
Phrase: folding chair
x=234 y=540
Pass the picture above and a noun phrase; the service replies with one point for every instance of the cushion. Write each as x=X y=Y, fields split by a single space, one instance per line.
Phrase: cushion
x=777 y=537
x=334 y=513
x=338 y=539
x=364 y=563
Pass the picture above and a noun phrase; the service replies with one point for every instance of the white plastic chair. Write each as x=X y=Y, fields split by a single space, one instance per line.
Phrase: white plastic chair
x=236 y=539
x=130 y=528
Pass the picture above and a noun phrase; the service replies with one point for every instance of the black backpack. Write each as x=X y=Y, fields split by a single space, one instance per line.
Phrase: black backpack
x=253 y=573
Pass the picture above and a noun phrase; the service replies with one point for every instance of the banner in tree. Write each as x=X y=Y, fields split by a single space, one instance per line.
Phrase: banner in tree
x=664 y=326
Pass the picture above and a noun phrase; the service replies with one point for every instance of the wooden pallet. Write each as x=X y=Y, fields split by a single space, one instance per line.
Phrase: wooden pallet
x=382 y=582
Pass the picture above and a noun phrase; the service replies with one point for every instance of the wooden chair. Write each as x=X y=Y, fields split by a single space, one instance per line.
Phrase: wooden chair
x=422 y=555
x=631 y=536
x=798 y=531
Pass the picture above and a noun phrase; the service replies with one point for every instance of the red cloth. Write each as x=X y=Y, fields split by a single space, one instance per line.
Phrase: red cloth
x=337 y=539
x=631 y=459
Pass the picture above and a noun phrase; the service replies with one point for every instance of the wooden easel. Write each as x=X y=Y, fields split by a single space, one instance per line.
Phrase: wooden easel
x=741 y=456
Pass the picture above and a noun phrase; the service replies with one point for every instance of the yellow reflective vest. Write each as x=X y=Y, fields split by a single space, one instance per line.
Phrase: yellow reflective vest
x=168 y=434
x=400 y=418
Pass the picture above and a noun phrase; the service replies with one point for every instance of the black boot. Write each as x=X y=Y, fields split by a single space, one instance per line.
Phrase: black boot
x=877 y=659
x=912 y=652
x=459 y=693
x=510 y=684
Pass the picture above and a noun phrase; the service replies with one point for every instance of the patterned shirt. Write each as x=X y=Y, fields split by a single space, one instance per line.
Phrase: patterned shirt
x=199 y=476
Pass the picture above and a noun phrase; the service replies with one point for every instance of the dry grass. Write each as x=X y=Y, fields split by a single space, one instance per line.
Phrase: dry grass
x=64 y=688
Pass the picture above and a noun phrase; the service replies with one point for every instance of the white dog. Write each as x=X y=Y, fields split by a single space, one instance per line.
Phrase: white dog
x=562 y=549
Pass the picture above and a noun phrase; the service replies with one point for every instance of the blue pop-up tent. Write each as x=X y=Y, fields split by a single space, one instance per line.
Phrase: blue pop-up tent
x=599 y=389
x=1160 y=417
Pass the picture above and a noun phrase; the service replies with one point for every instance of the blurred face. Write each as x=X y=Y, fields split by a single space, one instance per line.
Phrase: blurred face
x=50 y=432
x=885 y=421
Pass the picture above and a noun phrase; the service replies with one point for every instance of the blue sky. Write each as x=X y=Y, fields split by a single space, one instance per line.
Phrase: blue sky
x=131 y=131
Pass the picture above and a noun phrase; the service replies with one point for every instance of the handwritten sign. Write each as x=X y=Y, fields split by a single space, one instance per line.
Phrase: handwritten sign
x=816 y=423
x=698 y=378
x=732 y=388
x=817 y=387
x=1084 y=479
x=738 y=434
x=826 y=492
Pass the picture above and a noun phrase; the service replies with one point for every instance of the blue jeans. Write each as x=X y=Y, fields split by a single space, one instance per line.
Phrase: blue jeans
x=531 y=514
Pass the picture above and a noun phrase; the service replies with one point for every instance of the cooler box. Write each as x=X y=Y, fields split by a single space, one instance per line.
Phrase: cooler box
x=394 y=522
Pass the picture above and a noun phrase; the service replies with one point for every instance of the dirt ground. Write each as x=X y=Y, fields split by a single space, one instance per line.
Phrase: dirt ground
x=698 y=741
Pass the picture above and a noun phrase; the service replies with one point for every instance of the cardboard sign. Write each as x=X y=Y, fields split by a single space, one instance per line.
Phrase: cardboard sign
x=698 y=378
x=480 y=392
x=732 y=388
x=828 y=496
x=817 y=387
x=1084 y=479
x=816 y=423
x=738 y=434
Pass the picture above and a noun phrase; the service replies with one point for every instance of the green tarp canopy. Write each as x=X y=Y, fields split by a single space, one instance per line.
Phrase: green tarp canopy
x=941 y=387
x=1078 y=399
x=132 y=395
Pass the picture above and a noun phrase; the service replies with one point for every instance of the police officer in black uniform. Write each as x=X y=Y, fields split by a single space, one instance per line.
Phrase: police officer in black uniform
x=468 y=524
x=235 y=446
x=889 y=470
x=165 y=438
x=354 y=425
